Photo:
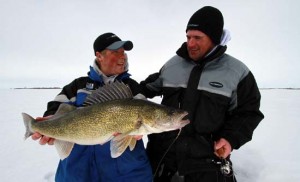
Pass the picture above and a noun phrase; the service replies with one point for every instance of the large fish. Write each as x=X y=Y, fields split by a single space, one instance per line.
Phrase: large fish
x=108 y=110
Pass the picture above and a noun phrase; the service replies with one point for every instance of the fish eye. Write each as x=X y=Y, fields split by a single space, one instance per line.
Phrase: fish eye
x=172 y=112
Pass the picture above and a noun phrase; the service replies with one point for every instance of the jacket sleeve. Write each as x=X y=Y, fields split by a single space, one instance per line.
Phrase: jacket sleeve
x=67 y=95
x=134 y=86
x=242 y=121
x=151 y=86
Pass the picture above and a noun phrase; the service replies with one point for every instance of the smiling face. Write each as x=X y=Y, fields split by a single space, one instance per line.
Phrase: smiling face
x=198 y=44
x=112 y=62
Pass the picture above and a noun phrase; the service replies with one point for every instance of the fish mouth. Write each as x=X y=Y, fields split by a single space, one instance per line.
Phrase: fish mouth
x=183 y=122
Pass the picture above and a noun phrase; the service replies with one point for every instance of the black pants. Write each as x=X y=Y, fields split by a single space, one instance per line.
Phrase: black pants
x=196 y=177
x=216 y=176
x=165 y=173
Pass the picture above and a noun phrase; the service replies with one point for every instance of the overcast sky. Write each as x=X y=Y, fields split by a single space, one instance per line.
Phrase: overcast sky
x=49 y=42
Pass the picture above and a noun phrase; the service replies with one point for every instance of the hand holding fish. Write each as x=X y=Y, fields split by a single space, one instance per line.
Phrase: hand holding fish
x=138 y=137
x=42 y=139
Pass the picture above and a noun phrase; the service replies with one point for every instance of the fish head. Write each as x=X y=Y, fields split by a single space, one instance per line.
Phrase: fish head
x=167 y=119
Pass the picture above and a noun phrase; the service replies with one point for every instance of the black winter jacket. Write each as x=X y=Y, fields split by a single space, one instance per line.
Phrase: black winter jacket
x=224 y=104
x=76 y=91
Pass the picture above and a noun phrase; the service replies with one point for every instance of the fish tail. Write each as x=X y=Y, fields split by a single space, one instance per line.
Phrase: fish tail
x=27 y=122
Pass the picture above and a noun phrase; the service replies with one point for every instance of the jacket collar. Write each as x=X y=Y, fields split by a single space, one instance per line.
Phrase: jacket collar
x=96 y=75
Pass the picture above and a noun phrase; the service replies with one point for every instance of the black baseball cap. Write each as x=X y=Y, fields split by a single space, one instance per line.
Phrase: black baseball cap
x=112 y=42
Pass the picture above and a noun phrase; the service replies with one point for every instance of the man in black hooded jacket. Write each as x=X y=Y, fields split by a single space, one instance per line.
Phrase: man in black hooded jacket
x=222 y=98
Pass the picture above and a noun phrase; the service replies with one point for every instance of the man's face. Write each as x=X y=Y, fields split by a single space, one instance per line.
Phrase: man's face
x=198 y=44
x=112 y=62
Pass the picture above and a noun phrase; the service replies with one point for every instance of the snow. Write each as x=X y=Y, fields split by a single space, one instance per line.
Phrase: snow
x=271 y=156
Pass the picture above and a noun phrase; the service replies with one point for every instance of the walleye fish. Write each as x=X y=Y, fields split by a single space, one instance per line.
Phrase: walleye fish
x=108 y=110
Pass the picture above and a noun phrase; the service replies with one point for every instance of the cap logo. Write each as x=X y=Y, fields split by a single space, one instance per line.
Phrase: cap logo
x=112 y=36
x=193 y=25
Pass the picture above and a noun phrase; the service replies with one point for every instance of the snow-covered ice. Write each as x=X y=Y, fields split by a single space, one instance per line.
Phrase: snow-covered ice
x=271 y=156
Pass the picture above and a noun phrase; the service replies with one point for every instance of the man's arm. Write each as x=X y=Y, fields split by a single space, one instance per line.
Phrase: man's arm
x=242 y=121
x=67 y=95
x=148 y=86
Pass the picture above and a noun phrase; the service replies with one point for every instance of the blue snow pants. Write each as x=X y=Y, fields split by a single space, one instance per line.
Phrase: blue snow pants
x=94 y=164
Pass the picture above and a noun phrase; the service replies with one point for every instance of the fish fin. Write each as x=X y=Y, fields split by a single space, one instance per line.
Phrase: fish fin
x=132 y=144
x=64 y=108
x=140 y=96
x=63 y=148
x=106 y=139
x=119 y=144
x=113 y=91
x=27 y=122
